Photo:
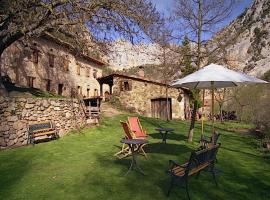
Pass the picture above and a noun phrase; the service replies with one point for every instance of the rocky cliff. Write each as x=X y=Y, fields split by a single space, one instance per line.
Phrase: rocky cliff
x=249 y=39
x=126 y=55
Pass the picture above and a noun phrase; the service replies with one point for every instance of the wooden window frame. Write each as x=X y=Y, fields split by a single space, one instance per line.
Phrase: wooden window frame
x=48 y=85
x=125 y=85
x=51 y=58
x=30 y=81
x=62 y=89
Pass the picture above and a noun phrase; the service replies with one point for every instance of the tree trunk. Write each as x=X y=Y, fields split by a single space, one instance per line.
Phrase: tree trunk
x=220 y=113
x=192 y=123
x=199 y=32
x=167 y=104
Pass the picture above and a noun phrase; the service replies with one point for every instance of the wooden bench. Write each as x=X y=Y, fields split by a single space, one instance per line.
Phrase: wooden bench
x=41 y=130
x=198 y=161
x=207 y=142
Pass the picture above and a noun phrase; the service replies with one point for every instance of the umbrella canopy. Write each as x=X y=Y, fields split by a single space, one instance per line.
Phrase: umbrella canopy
x=215 y=76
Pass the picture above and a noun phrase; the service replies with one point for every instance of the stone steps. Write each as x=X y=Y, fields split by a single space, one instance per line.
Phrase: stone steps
x=109 y=110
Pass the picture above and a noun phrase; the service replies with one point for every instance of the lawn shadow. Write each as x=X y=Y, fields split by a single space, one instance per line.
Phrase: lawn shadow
x=12 y=172
x=238 y=151
x=168 y=149
x=170 y=136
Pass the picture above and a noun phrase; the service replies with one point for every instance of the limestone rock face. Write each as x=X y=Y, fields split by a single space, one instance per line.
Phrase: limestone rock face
x=249 y=39
x=126 y=55
x=66 y=114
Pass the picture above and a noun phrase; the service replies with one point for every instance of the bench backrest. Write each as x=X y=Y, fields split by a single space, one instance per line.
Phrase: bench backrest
x=202 y=157
x=39 y=126
x=215 y=137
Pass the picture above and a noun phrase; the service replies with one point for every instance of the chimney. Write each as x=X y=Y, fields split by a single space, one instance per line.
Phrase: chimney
x=141 y=72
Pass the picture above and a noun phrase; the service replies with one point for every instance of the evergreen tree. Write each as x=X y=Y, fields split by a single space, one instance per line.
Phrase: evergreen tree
x=187 y=62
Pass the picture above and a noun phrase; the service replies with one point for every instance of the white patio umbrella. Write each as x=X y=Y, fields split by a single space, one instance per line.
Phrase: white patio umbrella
x=214 y=76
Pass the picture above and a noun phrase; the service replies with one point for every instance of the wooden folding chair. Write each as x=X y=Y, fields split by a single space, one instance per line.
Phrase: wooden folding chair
x=125 y=151
x=136 y=128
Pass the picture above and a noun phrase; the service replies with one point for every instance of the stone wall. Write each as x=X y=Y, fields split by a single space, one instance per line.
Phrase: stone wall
x=16 y=113
x=140 y=95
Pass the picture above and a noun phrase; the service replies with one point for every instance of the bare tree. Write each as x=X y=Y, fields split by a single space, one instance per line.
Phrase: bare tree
x=169 y=57
x=31 y=18
x=199 y=19
x=222 y=96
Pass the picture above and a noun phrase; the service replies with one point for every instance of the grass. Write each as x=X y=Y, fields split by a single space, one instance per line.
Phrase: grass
x=81 y=166
x=26 y=91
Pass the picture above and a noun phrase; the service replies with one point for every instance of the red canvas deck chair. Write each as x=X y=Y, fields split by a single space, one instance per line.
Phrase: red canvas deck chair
x=125 y=151
x=136 y=128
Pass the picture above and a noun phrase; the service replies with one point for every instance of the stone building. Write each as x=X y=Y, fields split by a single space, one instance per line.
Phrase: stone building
x=52 y=65
x=145 y=96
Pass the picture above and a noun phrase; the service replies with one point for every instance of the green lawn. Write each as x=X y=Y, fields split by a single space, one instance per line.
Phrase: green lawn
x=82 y=166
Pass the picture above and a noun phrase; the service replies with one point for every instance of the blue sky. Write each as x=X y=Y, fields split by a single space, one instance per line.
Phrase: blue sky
x=165 y=6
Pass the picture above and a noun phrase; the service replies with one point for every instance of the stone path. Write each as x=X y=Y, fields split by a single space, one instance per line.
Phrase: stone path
x=109 y=110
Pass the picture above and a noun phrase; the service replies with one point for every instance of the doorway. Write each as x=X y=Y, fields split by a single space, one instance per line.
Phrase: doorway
x=159 y=108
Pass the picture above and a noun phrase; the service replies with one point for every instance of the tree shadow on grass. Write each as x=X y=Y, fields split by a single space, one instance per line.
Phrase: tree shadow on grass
x=167 y=149
x=170 y=136
x=12 y=172
x=239 y=151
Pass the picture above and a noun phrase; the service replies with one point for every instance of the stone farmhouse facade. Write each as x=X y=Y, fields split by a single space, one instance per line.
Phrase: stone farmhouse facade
x=49 y=64
x=144 y=96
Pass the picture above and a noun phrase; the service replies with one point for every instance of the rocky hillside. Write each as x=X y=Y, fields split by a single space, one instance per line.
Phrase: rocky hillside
x=126 y=55
x=249 y=36
x=247 y=40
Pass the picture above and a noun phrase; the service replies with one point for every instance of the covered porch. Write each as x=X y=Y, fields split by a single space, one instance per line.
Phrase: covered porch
x=106 y=80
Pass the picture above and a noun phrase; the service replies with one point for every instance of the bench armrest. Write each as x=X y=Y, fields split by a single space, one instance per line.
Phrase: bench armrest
x=173 y=164
x=206 y=139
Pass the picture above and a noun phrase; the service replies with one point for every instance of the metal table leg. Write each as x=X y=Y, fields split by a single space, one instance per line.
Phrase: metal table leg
x=134 y=162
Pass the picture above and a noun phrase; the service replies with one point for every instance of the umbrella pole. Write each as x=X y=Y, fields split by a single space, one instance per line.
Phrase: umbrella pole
x=212 y=104
x=203 y=114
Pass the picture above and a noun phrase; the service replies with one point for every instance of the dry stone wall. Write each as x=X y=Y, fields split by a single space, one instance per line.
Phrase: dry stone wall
x=17 y=113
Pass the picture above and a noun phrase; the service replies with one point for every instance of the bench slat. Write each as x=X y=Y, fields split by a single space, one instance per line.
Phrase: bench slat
x=42 y=130
x=44 y=133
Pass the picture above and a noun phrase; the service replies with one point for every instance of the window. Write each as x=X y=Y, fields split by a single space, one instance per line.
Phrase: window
x=60 y=89
x=78 y=70
x=95 y=92
x=87 y=72
x=125 y=86
x=48 y=85
x=65 y=64
x=30 y=81
x=88 y=92
x=79 y=90
x=95 y=73
x=51 y=60
x=35 y=56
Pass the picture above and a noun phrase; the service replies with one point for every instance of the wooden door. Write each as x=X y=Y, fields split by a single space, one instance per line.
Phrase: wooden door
x=159 y=108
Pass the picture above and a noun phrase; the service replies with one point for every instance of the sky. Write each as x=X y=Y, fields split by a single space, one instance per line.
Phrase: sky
x=166 y=6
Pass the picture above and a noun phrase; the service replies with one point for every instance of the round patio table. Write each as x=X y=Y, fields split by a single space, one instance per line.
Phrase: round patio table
x=164 y=132
x=134 y=145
